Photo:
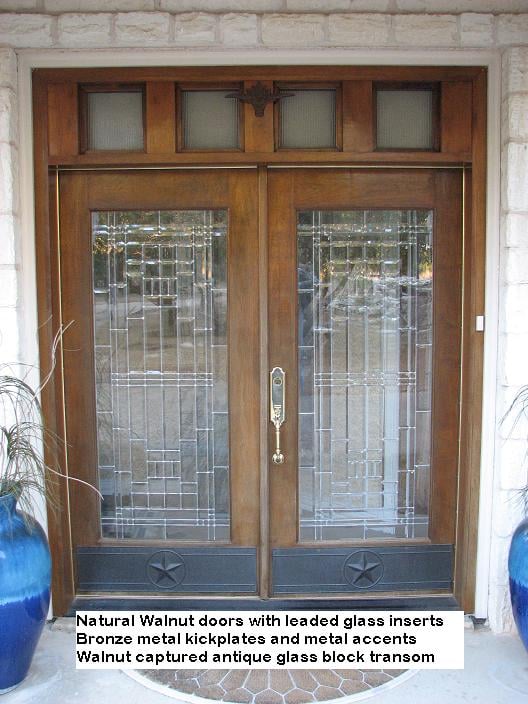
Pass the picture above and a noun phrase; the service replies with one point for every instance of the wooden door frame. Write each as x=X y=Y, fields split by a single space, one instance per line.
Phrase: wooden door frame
x=48 y=267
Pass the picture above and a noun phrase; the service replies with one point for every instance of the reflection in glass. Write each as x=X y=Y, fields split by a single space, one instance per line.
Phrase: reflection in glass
x=365 y=373
x=160 y=310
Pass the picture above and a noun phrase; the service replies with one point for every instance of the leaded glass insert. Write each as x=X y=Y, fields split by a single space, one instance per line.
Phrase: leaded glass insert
x=160 y=327
x=365 y=373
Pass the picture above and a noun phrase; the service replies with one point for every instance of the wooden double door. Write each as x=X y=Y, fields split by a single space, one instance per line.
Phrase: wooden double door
x=182 y=290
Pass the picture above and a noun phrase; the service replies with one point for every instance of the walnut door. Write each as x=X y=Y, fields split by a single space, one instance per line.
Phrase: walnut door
x=161 y=379
x=365 y=272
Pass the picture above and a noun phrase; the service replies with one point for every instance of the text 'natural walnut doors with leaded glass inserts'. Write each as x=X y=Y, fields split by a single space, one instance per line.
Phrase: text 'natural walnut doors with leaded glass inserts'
x=162 y=378
x=365 y=314
x=167 y=379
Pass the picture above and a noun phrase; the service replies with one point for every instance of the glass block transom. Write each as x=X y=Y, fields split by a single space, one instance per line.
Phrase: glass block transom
x=308 y=120
x=404 y=119
x=210 y=120
x=115 y=121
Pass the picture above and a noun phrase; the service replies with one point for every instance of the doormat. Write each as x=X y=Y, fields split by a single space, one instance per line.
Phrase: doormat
x=270 y=686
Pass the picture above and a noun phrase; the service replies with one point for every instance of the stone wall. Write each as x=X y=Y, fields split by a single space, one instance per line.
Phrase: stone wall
x=247 y=29
x=9 y=209
x=510 y=464
x=316 y=25
x=265 y=6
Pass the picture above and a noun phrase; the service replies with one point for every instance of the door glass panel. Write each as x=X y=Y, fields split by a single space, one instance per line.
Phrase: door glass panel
x=160 y=332
x=365 y=370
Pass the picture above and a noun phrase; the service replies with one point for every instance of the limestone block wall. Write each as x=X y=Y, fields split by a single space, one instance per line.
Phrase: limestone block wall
x=510 y=461
x=9 y=209
x=314 y=26
x=259 y=23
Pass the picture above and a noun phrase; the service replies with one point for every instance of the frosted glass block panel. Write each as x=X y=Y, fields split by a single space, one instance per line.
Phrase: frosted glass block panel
x=364 y=364
x=404 y=119
x=210 y=120
x=160 y=299
x=308 y=120
x=115 y=121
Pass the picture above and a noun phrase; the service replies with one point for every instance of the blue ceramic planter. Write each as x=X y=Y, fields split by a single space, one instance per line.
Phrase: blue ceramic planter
x=518 y=569
x=25 y=573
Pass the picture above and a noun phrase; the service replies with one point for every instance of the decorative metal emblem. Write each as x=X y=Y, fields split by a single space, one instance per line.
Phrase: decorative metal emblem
x=166 y=569
x=259 y=96
x=363 y=569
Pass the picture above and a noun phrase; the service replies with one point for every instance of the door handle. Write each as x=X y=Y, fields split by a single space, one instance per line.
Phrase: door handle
x=277 y=409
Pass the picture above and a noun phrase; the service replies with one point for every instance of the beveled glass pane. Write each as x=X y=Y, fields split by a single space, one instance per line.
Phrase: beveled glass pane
x=404 y=119
x=115 y=121
x=308 y=120
x=365 y=373
x=210 y=120
x=160 y=316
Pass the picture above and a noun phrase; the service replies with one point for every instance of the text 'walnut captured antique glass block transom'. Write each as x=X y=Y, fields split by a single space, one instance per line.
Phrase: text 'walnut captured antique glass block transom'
x=160 y=324
x=365 y=373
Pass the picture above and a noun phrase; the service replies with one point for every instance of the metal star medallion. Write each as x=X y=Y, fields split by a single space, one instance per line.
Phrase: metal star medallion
x=166 y=569
x=363 y=569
